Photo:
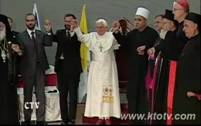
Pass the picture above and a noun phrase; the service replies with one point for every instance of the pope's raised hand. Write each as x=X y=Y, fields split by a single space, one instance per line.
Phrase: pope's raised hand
x=16 y=48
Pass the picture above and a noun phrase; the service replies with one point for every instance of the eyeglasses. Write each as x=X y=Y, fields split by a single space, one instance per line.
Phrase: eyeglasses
x=174 y=9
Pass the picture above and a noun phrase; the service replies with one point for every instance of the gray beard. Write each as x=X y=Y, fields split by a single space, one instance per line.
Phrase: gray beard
x=2 y=35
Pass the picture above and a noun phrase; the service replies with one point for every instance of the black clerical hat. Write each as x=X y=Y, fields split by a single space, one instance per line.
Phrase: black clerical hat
x=169 y=15
x=196 y=18
x=3 y=18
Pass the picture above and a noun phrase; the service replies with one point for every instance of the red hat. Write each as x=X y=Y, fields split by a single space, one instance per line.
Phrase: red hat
x=183 y=3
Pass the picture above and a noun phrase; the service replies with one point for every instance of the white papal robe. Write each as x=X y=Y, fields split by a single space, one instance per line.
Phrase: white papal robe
x=103 y=98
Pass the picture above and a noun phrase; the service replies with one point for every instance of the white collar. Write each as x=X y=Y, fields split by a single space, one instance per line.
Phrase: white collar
x=30 y=31
x=71 y=32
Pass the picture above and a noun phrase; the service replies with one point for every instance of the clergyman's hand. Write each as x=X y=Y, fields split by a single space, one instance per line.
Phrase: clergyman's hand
x=74 y=24
x=16 y=48
x=115 y=27
x=192 y=94
x=151 y=53
x=141 y=50
x=163 y=34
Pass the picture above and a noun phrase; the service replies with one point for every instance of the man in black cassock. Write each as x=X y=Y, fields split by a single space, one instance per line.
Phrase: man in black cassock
x=136 y=43
x=170 y=48
x=188 y=86
x=8 y=92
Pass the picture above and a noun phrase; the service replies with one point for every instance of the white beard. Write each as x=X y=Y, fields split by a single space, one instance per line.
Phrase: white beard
x=2 y=34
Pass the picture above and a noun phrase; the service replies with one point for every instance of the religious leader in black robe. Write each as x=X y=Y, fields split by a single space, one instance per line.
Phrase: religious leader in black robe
x=144 y=37
x=170 y=49
x=188 y=86
x=8 y=90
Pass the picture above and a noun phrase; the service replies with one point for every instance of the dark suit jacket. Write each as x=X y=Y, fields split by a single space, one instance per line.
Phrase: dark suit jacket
x=70 y=48
x=29 y=59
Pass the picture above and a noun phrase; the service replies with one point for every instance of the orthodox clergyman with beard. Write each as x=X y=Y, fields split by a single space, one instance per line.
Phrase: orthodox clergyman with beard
x=8 y=54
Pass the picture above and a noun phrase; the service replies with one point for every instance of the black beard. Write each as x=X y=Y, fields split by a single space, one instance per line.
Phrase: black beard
x=30 y=28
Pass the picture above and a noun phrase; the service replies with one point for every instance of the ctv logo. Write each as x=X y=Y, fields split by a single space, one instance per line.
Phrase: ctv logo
x=31 y=105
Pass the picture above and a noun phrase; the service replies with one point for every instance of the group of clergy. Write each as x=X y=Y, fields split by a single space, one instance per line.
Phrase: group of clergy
x=165 y=63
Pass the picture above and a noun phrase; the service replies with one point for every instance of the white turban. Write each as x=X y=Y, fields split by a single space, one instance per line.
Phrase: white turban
x=143 y=12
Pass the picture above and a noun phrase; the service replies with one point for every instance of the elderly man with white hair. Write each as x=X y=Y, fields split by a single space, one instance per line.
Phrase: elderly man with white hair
x=187 y=97
x=103 y=99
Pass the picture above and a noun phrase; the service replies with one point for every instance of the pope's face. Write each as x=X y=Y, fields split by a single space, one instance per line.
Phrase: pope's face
x=30 y=22
x=101 y=29
x=190 y=28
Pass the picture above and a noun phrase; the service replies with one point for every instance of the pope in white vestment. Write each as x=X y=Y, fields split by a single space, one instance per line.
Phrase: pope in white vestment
x=103 y=98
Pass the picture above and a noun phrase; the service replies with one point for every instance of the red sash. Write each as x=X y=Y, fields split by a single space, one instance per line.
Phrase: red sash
x=171 y=89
